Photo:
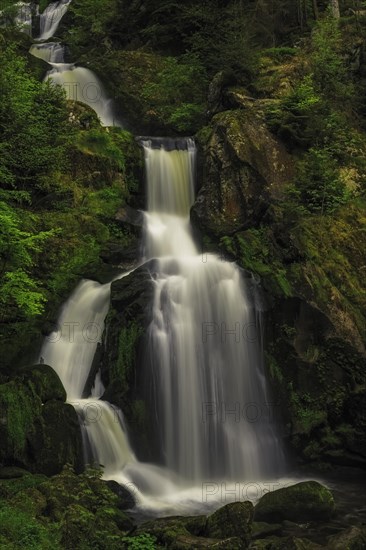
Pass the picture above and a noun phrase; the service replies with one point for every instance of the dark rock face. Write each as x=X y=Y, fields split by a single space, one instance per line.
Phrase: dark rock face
x=56 y=439
x=306 y=501
x=244 y=167
x=317 y=376
x=122 y=353
x=38 y=430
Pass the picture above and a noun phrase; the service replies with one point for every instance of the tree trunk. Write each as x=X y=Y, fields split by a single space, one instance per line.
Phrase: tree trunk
x=315 y=9
x=334 y=8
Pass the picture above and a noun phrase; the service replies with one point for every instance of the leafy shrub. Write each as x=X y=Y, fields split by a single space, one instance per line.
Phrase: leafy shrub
x=319 y=183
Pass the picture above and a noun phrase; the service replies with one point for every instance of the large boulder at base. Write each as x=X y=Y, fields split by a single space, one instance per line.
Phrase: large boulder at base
x=244 y=166
x=232 y=520
x=180 y=533
x=305 y=501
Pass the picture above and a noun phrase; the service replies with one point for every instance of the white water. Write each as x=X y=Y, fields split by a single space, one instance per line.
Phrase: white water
x=51 y=18
x=83 y=85
x=213 y=409
x=214 y=420
x=70 y=349
x=79 y=83
x=51 y=52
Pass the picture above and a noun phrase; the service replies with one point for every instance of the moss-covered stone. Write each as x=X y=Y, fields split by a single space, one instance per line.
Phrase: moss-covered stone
x=181 y=533
x=55 y=439
x=353 y=538
x=45 y=382
x=261 y=529
x=126 y=323
x=288 y=543
x=38 y=430
x=305 y=501
x=243 y=167
x=232 y=520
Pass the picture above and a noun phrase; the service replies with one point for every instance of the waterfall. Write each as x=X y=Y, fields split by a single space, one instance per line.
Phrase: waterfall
x=204 y=356
x=70 y=350
x=83 y=85
x=51 y=52
x=213 y=410
x=79 y=83
x=51 y=18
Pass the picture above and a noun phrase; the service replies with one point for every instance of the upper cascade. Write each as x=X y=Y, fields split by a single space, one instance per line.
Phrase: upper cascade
x=51 y=18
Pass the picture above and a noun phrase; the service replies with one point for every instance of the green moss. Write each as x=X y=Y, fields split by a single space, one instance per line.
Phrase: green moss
x=122 y=370
x=19 y=408
x=273 y=369
x=304 y=501
x=19 y=529
x=257 y=252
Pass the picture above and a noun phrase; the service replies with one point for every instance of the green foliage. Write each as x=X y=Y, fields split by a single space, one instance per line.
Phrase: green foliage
x=34 y=122
x=180 y=79
x=319 y=182
x=143 y=541
x=327 y=64
x=19 y=530
x=19 y=291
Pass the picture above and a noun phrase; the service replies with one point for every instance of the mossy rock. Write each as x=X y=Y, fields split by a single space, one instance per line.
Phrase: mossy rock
x=305 y=501
x=55 y=439
x=261 y=529
x=45 y=382
x=232 y=520
x=12 y=472
x=19 y=409
x=244 y=167
x=288 y=543
x=122 y=349
x=181 y=533
x=353 y=538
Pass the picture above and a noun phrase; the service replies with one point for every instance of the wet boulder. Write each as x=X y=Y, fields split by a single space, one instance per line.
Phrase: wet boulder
x=305 y=501
x=232 y=520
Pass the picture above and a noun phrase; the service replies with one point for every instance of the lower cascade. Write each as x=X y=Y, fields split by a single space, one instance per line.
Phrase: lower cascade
x=207 y=388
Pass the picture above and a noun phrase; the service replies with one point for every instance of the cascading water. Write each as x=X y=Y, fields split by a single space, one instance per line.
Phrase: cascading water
x=51 y=18
x=79 y=83
x=212 y=405
x=51 y=52
x=210 y=398
x=70 y=350
x=205 y=366
x=83 y=85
